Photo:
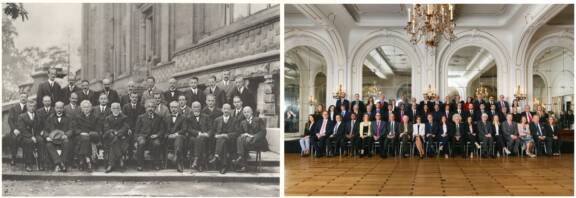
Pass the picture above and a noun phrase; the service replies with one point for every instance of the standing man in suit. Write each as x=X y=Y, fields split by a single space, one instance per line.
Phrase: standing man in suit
x=175 y=134
x=115 y=136
x=102 y=110
x=540 y=136
x=244 y=93
x=358 y=102
x=390 y=135
x=227 y=85
x=458 y=139
x=377 y=128
x=161 y=109
x=150 y=129
x=218 y=93
x=185 y=110
x=132 y=110
x=87 y=135
x=351 y=131
x=344 y=113
x=198 y=128
x=13 y=115
x=72 y=109
x=342 y=101
x=477 y=102
x=502 y=103
x=109 y=92
x=252 y=136
x=485 y=134
x=237 y=112
x=125 y=99
x=172 y=93
x=26 y=134
x=336 y=136
x=86 y=93
x=224 y=131
x=529 y=115
x=151 y=89
x=320 y=134
x=194 y=94
x=68 y=90
x=211 y=111
x=50 y=88
x=58 y=128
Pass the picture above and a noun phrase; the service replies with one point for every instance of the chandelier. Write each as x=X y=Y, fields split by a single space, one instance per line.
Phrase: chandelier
x=429 y=93
x=340 y=93
x=312 y=101
x=519 y=94
x=429 y=22
x=482 y=91
x=374 y=90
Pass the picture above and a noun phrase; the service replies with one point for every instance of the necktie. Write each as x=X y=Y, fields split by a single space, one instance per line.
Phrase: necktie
x=336 y=128
x=352 y=127
x=497 y=129
x=323 y=129
x=539 y=130
x=392 y=131
x=529 y=116
x=378 y=128
x=197 y=119
x=31 y=116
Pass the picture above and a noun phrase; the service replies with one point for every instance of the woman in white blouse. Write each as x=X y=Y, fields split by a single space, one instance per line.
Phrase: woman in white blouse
x=419 y=132
x=525 y=135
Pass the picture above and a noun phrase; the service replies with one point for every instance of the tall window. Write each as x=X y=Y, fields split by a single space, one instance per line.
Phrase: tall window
x=239 y=11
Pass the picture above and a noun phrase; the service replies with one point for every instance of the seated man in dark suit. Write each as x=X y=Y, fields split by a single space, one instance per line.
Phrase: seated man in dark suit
x=458 y=139
x=351 y=131
x=115 y=136
x=552 y=128
x=132 y=109
x=540 y=136
x=225 y=131
x=485 y=134
x=219 y=95
x=175 y=134
x=377 y=128
x=102 y=110
x=12 y=140
x=43 y=113
x=320 y=134
x=87 y=136
x=149 y=131
x=27 y=133
x=252 y=136
x=199 y=131
x=72 y=109
x=336 y=136
x=184 y=109
x=390 y=135
x=58 y=128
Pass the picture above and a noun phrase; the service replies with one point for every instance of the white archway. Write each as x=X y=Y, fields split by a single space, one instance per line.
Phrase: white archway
x=481 y=39
x=384 y=37
x=559 y=39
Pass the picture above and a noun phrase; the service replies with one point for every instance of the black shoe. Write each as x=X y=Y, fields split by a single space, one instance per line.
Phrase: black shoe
x=241 y=169
x=223 y=170
x=62 y=167
x=108 y=169
x=139 y=168
x=28 y=169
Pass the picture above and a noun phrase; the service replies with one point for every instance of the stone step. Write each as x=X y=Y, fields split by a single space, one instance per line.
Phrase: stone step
x=265 y=175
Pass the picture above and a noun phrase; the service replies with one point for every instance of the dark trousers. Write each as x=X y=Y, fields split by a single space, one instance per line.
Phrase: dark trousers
x=385 y=143
x=547 y=143
x=199 y=146
x=319 y=144
x=556 y=145
x=52 y=151
x=114 y=145
x=486 y=143
x=499 y=143
x=15 y=142
x=444 y=142
x=405 y=141
x=458 y=146
x=222 y=149
x=142 y=142
x=244 y=144
x=365 y=144
x=83 y=147
x=334 y=143
x=513 y=144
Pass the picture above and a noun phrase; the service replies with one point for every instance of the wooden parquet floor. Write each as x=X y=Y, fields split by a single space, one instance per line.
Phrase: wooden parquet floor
x=455 y=176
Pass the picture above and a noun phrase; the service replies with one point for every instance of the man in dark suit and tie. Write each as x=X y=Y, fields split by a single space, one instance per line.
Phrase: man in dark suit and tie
x=248 y=98
x=194 y=94
x=237 y=111
x=477 y=102
x=109 y=92
x=219 y=94
x=437 y=113
x=115 y=136
x=50 y=88
x=377 y=128
x=185 y=110
x=198 y=128
x=382 y=103
x=225 y=132
x=252 y=136
x=87 y=128
x=413 y=112
x=358 y=102
x=172 y=93
x=71 y=88
x=344 y=113
x=102 y=110
x=323 y=129
x=502 y=103
x=529 y=115
x=150 y=129
x=87 y=94
x=72 y=109
x=485 y=134
x=175 y=134
x=227 y=85
x=540 y=136
x=132 y=110
x=13 y=114
x=151 y=90
x=342 y=101
x=336 y=136
x=26 y=134
x=351 y=131
x=390 y=136
x=58 y=128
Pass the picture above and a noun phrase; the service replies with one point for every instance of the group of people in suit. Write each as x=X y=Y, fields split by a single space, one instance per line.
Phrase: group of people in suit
x=76 y=126
x=487 y=128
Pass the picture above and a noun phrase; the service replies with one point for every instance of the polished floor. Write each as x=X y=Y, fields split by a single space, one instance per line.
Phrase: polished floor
x=456 y=176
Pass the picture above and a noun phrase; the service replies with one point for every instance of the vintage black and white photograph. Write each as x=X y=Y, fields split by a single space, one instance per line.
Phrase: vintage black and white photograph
x=140 y=99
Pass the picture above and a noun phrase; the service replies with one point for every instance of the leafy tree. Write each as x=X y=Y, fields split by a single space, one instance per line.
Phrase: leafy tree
x=15 y=10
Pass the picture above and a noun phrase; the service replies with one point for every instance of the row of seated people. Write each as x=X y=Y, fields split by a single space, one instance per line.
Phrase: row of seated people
x=62 y=135
x=492 y=136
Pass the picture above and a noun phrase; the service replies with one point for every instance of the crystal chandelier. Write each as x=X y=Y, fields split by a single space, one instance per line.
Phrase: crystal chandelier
x=519 y=94
x=482 y=91
x=430 y=93
x=340 y=93
x=429 y=22
x=374 y=90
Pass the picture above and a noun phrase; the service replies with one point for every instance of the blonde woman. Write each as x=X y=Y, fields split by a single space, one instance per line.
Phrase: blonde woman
x=365 y=140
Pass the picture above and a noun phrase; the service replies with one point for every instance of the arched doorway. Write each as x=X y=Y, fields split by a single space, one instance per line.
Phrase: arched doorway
x=553 y=79
x=386 y=71
x=472 y=71
x=320 y=86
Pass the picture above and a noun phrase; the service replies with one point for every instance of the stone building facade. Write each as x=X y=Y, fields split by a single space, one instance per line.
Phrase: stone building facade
x=131 y=41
